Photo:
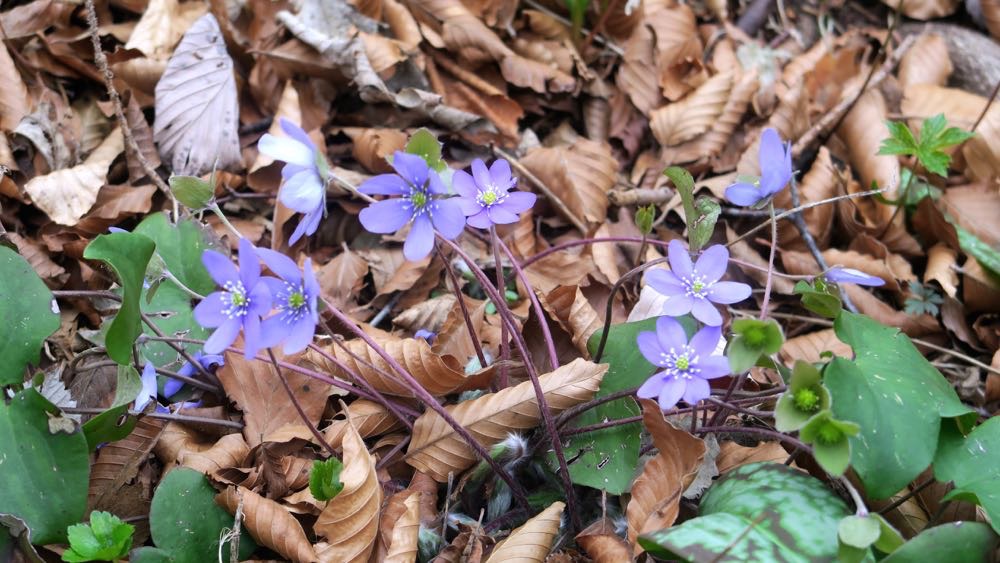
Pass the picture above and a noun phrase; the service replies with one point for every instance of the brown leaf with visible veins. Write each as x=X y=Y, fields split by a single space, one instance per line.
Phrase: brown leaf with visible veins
x=437 y=450
x=15 y=102
x=656 y=492
x=569 y=307
x=270 y=524
x=342 y=278
x=259 y=393
x=927 y=62
x=941 y=266
x=602 y=544
x=733 y=455
x=682 y=121
x=440 y=375
x=349 y=522
x=371 y=146
x=368 y=418
x=531 y=542
x=809 y=347
x=580 y=175
x=119 y=461
x=400 y=535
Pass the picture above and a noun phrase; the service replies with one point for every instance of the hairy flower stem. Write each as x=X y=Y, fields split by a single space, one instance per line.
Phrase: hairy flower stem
x=298 y=406
x=770 y=262
x=543 y=407
x=859 y=503
x=504 y=337
x=539 y=312
x=462 y=306
x=433 y=404
x=611 y=302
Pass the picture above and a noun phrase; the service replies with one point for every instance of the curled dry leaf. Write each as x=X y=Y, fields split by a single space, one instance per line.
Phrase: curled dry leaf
x=924 y=9
x=569 y=307
x=66 y=195
x=566 y=267
x=809 y=347
x=975 y=208
x=678 y=47
x=349 y=522
x=162 y=25
x=602 y=544
x=863 y=130
x=682 y=121
x=733 y=455
x=14 y=100
x=371 y=147
x=270 y=524
x=367 y=417
x=229 y=451
x=634 y=77
x=118 y=462
x=580 y=175
x=196 y=111
x=440 y=375
x=342 y=278
x=437 y=450
x=259 y=393
x=532 y=541
x=927 y=62
x=656 y=492
x=53 y=274
x=941 y=265
x=402 y=544
x=428 y=315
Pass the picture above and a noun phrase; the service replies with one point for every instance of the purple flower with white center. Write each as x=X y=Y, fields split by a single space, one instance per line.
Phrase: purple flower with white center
x=295 y=296
x=207 y=361
x=775 y=160
x=240 y=305
x=421 y=202
x=686 y=366
x=850 y=275
x=693 y=288
x=304 y=174
x=485 y=195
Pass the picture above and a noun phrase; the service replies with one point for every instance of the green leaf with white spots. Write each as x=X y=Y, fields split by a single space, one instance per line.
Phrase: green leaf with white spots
x=761 y=512
x=954 y=542
x=973 y=463
x=28 y=312
x=896 y=396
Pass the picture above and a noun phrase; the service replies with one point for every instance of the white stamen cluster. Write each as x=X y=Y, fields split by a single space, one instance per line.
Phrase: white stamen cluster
x=687 y=358
x=696 y=286
x=235 y=299
x=292 y=312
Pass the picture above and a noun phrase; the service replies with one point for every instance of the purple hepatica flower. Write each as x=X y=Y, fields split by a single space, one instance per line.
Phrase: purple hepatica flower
x=692 y=288
x=148 y=391
x=850 y=275
x=304 y=174
x=485 y=196
x=295 y=297
x=427 y=335
x=240 y=304
x=422 y=203
x=207 y=361
x=775 y=171
x=686 y=366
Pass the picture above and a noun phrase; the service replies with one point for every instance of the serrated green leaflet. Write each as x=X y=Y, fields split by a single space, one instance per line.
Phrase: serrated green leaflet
x=896 y=396
x=954 y=542
x=973 y=463
x=44 y=475
x=186 y=523
x=761 y=512
x=106 y=538
x=127 y=254
x=29 y=315
x=324 y=479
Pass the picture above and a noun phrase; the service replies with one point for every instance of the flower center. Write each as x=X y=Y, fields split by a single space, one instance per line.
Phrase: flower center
x=235 y=299
x=829 y=434
x=419 y=200
x=697 y=286
x=679 y=364
x=489 y=198
x=806 y=400
x=682 y=363
x=296 y=300
x=292 y=302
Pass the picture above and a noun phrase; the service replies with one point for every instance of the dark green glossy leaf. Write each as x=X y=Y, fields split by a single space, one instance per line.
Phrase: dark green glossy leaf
x=28 y=313
x=973 y=463
x=180 y=246
x=818 y=297
x=701 y=231
x=110 y=426
x=128 y=255
x=954 y=542
x=44 y=475
x=896 y=396
x=761 y=512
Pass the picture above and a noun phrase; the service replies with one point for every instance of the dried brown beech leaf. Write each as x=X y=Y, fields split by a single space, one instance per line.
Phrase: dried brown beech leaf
x=342 y=278
x=809 y=347
x=580 y=175
x=941 y=265
x=270 y=524
x=440 y=375
x=682 y=121
x=143 y=136
x=980 y=290
x=566 y=267
x=927 y=62
x=258 y=392
x=429 y=315
x=14 y=100
x=821 y=182
x=976 y=208
x=368 y=418
x=924 y=9
x=634 y=77
x=402 y=545
x=656 y=492
x=118 y=462
x=437 y=450
x=229 y=451
x=196 y=111
x=569 y=307
x=602 y=544
x=863 y=130
x=66 y=195
x=743 y=251
x=991 y=14
x=349 y=522
x=532 y=541
x=733 y=455
x=678 y=46
x=402 y=24
x=162 y=25
x=714 y=140
x=50 y=272
x=371 y=147
x=467 y=547
x=383 y=52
